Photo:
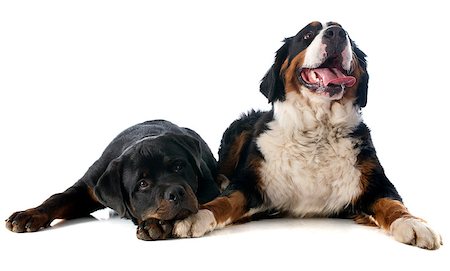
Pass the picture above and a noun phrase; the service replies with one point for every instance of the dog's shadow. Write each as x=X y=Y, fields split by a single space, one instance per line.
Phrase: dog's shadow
x=104 y=214
x=61 y=223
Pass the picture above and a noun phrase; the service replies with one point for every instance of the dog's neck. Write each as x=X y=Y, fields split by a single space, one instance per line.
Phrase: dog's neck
x=300 y=112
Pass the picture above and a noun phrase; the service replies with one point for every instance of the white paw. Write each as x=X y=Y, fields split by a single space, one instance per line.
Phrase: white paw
x=415 y=232
x=195 y=225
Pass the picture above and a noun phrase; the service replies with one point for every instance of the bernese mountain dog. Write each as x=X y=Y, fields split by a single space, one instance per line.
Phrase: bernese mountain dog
x=311 y=155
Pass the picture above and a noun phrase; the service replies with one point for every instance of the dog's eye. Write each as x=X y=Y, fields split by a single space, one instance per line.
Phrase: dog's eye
x=178 y=166
x=308 y=35
x=143 y=184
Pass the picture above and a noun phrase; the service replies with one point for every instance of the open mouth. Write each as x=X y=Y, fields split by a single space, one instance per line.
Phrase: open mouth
x=327 y=79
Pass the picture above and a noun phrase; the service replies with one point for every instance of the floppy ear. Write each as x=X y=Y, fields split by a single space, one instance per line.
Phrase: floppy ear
x=363 y=84
x=190 y=145
x=272 y=85
x=108 y=189
x=207 y=188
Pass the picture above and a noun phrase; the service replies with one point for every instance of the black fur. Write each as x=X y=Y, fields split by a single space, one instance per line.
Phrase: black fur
x=363 y=84
x=379 y=185
x=151 y=169
x=245 y=176
x=166 y=139
x=272 y=84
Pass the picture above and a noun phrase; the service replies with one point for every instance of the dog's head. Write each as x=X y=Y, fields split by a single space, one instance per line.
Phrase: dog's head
x=156 y=177
x=321 y=63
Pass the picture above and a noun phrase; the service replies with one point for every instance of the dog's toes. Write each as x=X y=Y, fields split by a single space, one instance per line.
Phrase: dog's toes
x=415 y=232
x=148 y=232
x=153 y=229
x=30 y=220
x=195 y=225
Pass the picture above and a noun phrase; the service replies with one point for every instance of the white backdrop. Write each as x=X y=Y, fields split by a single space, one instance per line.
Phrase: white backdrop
x=73 y=74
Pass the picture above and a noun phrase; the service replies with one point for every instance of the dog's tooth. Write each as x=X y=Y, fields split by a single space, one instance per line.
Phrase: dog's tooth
x=313 y=75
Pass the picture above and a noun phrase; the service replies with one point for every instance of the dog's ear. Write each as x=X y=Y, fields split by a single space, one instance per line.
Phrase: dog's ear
x=272 y=84
x=207 y=188
x=190 y=145
x=109 y=189
x=363 y=83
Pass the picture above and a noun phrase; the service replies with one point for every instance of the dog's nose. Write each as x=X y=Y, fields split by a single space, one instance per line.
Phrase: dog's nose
x=174 y=193
x=335 y=33
x=335 y=39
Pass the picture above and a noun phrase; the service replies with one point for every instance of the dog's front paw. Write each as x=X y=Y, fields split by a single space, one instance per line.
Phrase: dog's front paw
x=28 y=221
x=413 y=231
x=153 y=229
x=195 y=225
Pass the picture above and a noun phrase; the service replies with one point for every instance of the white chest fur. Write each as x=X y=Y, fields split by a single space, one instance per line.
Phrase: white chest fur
x=309 y=162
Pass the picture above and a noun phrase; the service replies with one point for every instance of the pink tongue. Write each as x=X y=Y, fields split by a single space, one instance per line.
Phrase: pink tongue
x=335 y=76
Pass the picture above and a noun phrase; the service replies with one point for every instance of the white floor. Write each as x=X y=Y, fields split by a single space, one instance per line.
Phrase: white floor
x=278 y=244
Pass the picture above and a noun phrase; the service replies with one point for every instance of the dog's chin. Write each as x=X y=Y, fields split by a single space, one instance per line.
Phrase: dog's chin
x=168 y=211
x=326 y=95
x=329 y=92
x=169 y=216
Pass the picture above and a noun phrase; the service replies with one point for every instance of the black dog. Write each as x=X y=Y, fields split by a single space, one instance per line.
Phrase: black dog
x=152 y=173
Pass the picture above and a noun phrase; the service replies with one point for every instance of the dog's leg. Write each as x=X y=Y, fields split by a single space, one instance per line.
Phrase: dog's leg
x=77 y=201
x=393 y=216
x=215 y=214
x=382 y=202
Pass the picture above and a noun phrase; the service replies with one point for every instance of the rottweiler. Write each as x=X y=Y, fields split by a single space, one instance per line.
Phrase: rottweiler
x=153 y=173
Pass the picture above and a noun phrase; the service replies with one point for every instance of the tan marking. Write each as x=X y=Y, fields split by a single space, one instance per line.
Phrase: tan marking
x=255 y=165
x=366 y=168
x=386 y=211
x=92 y=194
x=351 y=93
x=365 y=220
x=231 y=161
x=222 y=181
x=227 y=209
x=289 y=72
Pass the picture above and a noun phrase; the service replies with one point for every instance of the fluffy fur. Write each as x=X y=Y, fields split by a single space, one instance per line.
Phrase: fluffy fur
x=309 y=174
x=311 y=155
